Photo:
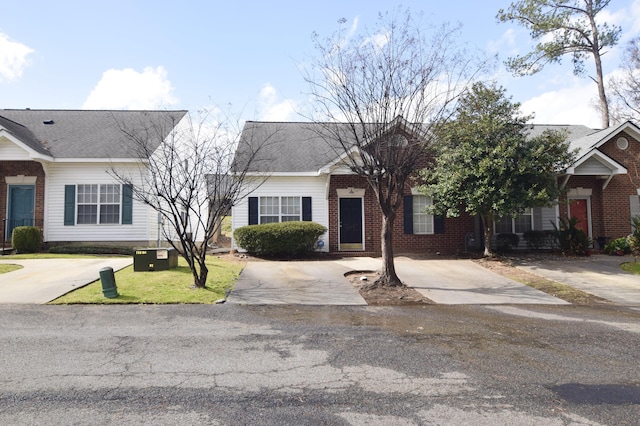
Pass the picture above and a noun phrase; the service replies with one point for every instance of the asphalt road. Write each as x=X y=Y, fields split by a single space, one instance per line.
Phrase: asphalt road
x=297 y=365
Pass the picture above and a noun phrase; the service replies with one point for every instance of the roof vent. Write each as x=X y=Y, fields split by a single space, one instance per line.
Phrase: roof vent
x=48 y=122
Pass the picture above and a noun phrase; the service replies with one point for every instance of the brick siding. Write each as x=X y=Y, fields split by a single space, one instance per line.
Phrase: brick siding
x=451 y=242
x=26 y=168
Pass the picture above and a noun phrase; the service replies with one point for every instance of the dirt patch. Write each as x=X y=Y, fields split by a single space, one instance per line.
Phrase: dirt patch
x=385 y=296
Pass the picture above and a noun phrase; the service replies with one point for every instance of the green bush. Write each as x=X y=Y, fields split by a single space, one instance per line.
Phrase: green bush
x=539 y=240
x=87 y=249
x=572 y=241
x=619 y=244
x=507 y=241
x=290 y=239
x=26 y=239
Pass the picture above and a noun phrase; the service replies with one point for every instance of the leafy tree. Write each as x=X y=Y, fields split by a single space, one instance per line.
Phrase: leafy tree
x=626 y=86
x=374 y=95
x=191 y=176
x=488 y=163
x=564 y=27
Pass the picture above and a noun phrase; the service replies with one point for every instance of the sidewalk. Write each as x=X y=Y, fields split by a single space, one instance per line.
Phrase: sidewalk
x=43 y=280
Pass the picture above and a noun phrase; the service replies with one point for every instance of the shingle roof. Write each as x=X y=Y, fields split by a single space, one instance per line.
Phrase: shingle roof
x=84 y=133
x=299 y=147
x=288 y=147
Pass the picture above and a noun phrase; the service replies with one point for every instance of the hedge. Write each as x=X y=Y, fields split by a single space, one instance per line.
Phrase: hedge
x=290 y=239
x=26 y=239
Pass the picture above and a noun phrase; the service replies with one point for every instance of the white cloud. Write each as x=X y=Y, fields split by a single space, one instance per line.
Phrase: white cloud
x=271 y=108
x=13 y=58
x=506 y=44
x=572 y=104
x=130 y=89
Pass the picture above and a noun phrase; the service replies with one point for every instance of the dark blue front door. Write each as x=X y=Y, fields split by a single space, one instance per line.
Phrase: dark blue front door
x=351 y=224
x=21 y=201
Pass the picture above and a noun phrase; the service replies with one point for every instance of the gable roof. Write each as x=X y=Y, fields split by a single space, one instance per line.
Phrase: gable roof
x=288 y=147
x=84 y=134
x=305 y=148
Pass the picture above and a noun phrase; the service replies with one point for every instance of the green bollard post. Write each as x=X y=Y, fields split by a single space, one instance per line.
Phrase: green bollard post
x=108 y=281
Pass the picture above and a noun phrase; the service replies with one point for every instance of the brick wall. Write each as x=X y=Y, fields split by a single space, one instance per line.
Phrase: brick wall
x=610 y=209
x=451 y=242
x=26 y=168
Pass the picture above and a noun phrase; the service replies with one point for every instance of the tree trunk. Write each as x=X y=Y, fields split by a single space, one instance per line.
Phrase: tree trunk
x=487 y=223
x=388 y=276
x=604 y=103
x=200 y=280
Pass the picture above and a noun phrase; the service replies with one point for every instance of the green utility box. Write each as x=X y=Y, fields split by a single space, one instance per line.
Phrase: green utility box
x=155 y=259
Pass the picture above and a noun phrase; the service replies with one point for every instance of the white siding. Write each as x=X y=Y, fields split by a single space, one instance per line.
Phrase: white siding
x=296 y=186
x=11 y=151
x=592 y=167
x=549 y=217
x=61 y=174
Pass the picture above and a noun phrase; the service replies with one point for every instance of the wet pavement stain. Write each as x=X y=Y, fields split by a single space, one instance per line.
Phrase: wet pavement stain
x=578 y=393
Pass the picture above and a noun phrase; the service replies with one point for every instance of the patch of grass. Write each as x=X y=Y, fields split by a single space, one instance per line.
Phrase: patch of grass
x=633 y=267
x=5 y=267
x=51 y=256
x=225 y=229
x=160 y=287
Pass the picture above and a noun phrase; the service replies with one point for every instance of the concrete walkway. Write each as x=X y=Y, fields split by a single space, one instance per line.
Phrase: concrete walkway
x=43 y=280
x=599 y=275
x=323 y=283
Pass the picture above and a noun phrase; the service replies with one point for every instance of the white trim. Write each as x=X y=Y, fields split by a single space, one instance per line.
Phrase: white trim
x=20 y=180
x=579 y=192
x=615 y=167
x=638 y=191
x=351 y=192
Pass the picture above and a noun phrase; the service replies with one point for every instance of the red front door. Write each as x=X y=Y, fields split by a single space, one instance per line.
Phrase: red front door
x=578 y=209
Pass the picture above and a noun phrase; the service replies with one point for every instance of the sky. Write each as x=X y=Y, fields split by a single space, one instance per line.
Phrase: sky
x=246 y=55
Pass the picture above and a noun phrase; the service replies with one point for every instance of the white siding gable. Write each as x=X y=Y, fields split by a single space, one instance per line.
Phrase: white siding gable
x=592 y=167
x=10 y=151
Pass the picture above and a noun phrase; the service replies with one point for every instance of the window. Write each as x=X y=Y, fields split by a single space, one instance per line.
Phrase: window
x=514 y=225
x=422 y=222
x=280 y=209
x=98 y=204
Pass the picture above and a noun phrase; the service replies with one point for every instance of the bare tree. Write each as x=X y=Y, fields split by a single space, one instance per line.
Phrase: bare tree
x=564 y=27
x=625 y=87
x=191 y=175
x=375 y=96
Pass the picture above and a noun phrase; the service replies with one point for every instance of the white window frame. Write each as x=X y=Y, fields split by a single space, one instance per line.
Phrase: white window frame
x=288 y=211
x=100 y=200
x=421 y=217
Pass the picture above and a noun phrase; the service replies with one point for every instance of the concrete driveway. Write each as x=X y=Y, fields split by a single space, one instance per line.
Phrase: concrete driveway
x=599 y=275
x=323 y=283
x=43 y=280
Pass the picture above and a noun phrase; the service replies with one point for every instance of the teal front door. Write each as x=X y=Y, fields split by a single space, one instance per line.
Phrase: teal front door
x=21 y=202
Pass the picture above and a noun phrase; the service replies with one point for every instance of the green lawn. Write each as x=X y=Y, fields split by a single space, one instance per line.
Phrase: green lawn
x=633 y=267
x=4 y=268
x=158 y=287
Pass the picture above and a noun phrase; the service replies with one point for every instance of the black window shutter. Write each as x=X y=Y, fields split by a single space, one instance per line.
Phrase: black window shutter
x=408 y=214
x=438 y=224
x=69 y=205
x=253 y=210
x=127 y=205
x=306 y=209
